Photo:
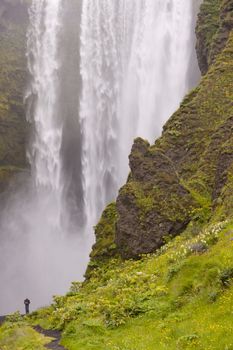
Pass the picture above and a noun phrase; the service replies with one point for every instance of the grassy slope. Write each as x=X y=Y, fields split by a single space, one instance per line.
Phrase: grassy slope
x=16 y=335
x=178 y=298
x=19 y=338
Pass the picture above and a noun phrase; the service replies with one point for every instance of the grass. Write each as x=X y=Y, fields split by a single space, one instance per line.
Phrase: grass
x=18 y=336
x=174 y=299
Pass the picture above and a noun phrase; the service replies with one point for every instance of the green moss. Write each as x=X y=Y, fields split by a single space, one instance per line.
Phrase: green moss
x=105 y=246
x=215 y=21
x=19 y=336
x=208 y=23
x=13 y=75
x=204 y=125
x=199 y=192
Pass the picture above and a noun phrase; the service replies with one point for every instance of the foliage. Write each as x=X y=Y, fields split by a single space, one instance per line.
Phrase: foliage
x=105 y=246
x=175 y=298
x=19 y=336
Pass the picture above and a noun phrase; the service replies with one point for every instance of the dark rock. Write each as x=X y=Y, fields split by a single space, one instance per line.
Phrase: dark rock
x=152 y=204
x=215 y=22
x=199 y=248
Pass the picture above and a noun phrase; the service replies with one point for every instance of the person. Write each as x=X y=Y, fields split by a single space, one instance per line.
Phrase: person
x=27 y=303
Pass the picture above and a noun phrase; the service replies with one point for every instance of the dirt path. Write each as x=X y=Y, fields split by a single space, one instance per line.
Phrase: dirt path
x=54 y=345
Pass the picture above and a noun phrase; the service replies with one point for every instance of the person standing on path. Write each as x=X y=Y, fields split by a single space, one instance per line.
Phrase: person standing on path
x=27 y=303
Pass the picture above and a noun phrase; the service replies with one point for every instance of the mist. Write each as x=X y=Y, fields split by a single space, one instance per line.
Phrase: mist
x=36 y=261
x=100 y=74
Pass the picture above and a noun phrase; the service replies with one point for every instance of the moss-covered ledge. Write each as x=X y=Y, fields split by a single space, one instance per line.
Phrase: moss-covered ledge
x=104 y=247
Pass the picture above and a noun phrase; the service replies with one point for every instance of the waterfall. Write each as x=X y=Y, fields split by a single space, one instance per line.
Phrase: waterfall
x=101 y=73
x=135 y=57
x=43 y=64
x=41 y=252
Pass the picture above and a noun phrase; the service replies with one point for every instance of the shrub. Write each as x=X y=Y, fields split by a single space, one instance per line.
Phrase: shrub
x=226 y=276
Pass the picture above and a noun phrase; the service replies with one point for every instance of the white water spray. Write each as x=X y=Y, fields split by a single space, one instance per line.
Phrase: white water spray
x=40 y=254
x=43 y=64
x=135 y=56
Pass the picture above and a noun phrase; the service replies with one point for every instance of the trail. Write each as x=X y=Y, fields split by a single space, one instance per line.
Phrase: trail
x=54 y=345
x=56 y=335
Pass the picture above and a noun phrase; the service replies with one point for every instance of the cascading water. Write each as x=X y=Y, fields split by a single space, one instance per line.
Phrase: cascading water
x=44 y=152
x=40 y=254
x=135 y=57
x=93 y=88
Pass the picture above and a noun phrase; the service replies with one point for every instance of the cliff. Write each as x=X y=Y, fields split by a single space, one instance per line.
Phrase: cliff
x=13 y=128
x=184 y=178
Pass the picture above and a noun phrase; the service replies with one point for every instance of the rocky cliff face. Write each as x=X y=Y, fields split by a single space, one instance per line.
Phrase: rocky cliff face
x=13 y=23
x=153 y=203
x=186 y=177
x=215 y=22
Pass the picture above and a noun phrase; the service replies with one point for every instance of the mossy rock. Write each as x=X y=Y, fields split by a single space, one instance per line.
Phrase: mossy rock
x=104 y=247
x=13 y=79
x=215 y=22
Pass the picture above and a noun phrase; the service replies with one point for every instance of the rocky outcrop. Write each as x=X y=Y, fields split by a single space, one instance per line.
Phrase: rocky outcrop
x=186 y=177
x=153 y=203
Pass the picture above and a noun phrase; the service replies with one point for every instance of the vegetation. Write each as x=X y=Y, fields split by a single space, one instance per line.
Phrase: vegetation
x=16 y=335
x=104 y=247
x=177 y=298
x=208 y=25
x=12 y=87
